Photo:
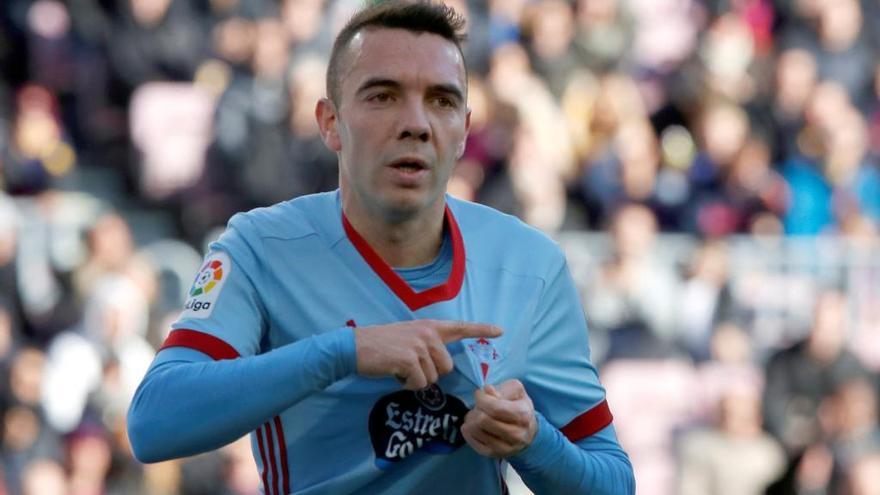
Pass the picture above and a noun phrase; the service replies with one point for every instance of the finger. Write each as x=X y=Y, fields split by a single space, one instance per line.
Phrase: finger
x=500 y=409
x=509 y=434
x=428 y=369
x=415 y=379
x=512 y=389
x=493 y=443
x=440 y=356
x=480 y=447
x=450 y=331
x=490 y=390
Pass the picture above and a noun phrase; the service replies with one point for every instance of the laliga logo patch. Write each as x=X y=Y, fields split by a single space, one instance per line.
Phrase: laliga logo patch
x=405 y=422
x=207 y=285
x=207 y=278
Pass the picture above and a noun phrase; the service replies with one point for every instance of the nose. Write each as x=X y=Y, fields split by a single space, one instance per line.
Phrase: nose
x=414 y=122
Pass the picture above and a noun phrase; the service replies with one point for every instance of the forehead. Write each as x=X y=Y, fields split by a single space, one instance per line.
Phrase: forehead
x=405 y=56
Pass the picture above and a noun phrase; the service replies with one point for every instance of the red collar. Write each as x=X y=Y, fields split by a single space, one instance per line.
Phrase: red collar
x=414 y=300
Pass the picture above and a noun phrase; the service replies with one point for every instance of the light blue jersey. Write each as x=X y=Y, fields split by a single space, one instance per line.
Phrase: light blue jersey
x=290 y=284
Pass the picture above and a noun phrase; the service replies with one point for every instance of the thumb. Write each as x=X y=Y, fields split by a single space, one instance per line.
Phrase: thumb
x=512 y=390
x=492 y=391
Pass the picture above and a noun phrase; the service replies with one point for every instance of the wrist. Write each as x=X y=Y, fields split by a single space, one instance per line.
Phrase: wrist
x=347 y=349
x=536 y=452
x=339 y=348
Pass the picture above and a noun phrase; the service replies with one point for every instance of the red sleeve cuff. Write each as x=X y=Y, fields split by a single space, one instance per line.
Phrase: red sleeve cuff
x=588 y=423
x=200 y=341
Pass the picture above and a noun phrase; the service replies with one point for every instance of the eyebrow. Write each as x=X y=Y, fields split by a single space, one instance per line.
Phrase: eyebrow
x=374 y=82
x=449 y=89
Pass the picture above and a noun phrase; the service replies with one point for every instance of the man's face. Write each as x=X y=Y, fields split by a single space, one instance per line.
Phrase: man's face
x=400 y=123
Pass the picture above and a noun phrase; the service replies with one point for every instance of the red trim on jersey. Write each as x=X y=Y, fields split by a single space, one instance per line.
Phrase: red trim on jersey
x=218 y=349
x=282 y=448
x=272 y=460
x=259 y=433
x=589 y=422
x=200 y=341
x=504 y=489
x=414 y=300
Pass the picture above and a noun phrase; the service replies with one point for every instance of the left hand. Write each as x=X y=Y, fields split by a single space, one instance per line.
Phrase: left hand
x=502 y=422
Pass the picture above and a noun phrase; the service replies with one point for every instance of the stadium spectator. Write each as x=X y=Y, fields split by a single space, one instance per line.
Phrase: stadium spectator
x=733 y=456
x=801 y=376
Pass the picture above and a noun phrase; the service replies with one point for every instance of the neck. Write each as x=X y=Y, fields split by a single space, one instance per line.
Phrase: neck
x=403 y=243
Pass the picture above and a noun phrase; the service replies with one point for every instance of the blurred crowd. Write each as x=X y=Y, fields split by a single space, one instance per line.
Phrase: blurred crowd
x=712 y=168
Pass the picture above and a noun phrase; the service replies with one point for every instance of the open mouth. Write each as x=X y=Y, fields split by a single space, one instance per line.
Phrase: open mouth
x=409 y=165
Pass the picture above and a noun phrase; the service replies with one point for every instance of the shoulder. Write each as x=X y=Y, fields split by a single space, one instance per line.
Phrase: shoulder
x=493 y=238
x=286 y=220
x=253 y=234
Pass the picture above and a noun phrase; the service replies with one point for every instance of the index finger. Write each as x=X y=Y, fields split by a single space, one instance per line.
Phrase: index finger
x=450 y=331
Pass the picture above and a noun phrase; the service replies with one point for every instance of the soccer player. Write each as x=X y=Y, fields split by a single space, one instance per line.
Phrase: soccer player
x=385 y=337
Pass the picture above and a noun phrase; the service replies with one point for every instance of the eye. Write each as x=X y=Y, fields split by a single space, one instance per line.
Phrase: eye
x=380 y=98
x=445 y=102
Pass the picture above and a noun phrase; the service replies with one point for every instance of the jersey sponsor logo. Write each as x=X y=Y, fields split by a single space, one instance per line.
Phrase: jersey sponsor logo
x=406 y=422
x=207 y=286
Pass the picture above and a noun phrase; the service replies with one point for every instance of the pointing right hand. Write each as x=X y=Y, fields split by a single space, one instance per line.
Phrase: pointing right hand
x=414 y=352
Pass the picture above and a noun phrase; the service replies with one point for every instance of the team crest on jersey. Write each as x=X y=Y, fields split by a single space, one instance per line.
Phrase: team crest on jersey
x=207 y=286
x=406 y=422
x=485 y=353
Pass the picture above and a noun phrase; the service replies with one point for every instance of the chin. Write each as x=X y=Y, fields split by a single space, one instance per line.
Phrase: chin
x=405 y=206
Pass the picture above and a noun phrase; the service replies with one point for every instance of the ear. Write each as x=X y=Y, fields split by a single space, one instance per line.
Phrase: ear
x=326 y=115
x=467 y=128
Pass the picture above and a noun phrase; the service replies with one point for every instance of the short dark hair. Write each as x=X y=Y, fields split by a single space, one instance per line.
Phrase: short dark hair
x=420 y=16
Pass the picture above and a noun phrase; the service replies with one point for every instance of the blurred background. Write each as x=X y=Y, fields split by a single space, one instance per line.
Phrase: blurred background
x=709 y=166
